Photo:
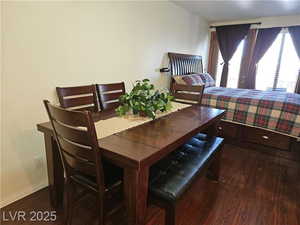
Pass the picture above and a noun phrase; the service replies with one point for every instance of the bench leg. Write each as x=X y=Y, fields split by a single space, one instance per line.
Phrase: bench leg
x=170 y=210
x=170 y=214
x=214 y=169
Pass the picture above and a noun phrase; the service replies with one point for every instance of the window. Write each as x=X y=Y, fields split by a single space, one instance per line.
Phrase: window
x=279 y=67
x=234 y=67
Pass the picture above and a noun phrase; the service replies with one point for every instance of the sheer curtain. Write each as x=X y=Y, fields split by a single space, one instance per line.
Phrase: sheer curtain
x=264 y=40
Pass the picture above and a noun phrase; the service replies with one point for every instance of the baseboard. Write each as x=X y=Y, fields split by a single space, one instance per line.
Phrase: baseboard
x=23 y=194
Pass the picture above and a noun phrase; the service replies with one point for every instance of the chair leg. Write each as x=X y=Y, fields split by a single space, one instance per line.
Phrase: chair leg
x=100 y=210
x=70 y=191
x=66 y=203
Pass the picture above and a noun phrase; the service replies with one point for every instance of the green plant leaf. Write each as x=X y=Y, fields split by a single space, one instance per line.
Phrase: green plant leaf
x=144 y=98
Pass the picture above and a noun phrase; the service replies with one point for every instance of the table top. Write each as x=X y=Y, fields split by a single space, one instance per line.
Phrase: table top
x=116 y=124
x=145 y=144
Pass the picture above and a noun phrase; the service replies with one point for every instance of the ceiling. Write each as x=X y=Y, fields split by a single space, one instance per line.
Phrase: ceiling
x=225 y=10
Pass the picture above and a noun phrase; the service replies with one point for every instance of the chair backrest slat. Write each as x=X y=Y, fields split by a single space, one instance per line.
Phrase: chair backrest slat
x=78 y=101
x=188 y=93
x=79 y=98
x=111 y=87
x=84 y=167
x=72 y=134
x=110 y=105
x=109 y=95
x=71 y=118
x=77 y=141
x=84 y=152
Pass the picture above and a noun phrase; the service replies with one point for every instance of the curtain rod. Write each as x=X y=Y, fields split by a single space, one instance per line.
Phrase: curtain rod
x=258 y=23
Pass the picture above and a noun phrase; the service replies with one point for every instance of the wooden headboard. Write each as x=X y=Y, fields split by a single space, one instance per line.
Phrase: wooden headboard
x=183 y=64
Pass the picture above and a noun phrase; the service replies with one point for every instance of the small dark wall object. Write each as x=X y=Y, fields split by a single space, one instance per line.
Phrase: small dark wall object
x=164 y=70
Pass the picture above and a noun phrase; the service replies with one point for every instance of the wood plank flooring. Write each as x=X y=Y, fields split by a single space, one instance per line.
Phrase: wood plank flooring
x=255 y=189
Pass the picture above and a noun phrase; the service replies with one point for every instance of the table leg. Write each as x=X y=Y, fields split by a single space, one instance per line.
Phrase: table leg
x=212 y=129
x=215 y=167
x=136 y=194
x=55 y=172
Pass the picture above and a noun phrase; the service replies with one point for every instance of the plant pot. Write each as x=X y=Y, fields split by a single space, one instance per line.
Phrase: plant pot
x=143 y=114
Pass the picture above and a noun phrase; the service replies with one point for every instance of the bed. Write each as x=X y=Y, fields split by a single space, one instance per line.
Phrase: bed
x=262 y=118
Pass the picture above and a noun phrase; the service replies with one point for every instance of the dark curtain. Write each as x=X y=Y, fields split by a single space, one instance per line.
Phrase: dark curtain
x=264 y=40
x=229 y=37
x=246 y=57
x=295 y=34
x=213 y=55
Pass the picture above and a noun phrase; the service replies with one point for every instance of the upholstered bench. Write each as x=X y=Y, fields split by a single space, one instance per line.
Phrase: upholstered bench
x=173 y=175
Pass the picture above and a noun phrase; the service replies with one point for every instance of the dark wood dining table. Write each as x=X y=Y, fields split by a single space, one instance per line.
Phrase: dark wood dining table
x=135 y=150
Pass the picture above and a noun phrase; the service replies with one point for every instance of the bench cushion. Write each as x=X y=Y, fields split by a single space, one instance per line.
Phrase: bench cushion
x=172 y=175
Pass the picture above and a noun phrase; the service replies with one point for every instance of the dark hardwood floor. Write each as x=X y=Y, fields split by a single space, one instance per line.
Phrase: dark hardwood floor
x=255 y=189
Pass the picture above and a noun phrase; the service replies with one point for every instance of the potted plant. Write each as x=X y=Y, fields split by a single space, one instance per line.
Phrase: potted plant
x=144 y=100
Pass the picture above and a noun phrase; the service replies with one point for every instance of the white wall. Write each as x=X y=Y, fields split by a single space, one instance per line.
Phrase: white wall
x=279 y=21
x=71 y=43
x=1 y=66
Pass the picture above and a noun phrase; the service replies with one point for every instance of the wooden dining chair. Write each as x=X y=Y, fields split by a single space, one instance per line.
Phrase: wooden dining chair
x=109 y=95
x=187 y=93
x=78 y=98
x=77 y=141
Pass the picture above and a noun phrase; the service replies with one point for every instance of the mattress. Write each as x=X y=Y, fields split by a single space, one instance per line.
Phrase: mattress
x=275 y=111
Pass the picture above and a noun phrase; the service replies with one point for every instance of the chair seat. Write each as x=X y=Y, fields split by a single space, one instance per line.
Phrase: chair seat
x=112 y=175
x=172 y=175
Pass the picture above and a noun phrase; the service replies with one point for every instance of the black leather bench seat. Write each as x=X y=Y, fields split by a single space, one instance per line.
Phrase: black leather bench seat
x=172 y=175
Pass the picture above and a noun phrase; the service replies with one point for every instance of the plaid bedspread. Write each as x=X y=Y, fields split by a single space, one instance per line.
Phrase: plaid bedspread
x=277 y=111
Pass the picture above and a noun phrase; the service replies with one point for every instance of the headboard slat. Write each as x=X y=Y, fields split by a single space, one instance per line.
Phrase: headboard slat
x=182 y=64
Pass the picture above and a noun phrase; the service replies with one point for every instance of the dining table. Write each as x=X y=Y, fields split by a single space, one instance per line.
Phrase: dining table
x=134 y=148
